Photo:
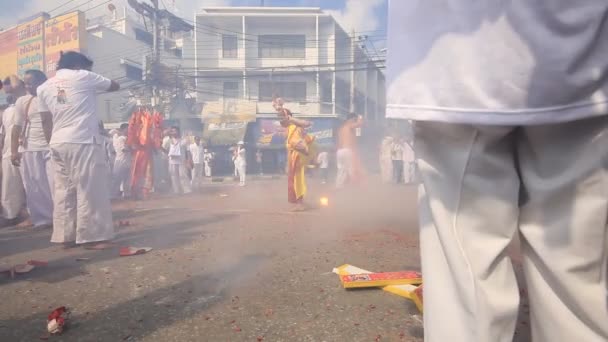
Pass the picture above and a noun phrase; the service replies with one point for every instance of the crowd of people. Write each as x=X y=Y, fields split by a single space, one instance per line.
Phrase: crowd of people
x=54 y=165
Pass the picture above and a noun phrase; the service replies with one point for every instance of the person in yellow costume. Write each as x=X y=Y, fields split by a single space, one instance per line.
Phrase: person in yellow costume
x=301 y=149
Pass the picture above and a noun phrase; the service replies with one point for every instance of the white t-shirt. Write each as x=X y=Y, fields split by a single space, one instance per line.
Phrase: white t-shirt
x=176 y=148
x=8 y=121
x=197 y=153
x=71 y=97
x=120 y=147
x=323 y=160
x=497 y=62
x=34 y=135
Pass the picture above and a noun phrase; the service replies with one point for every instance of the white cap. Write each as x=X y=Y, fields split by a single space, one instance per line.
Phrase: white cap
x=241 y=143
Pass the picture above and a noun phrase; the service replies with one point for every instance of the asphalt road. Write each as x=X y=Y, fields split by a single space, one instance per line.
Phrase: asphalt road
x=228 y=264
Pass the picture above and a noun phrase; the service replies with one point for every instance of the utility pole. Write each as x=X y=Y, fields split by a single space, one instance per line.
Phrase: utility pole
x=151 y=12
x=156 y=52
x=353 y=52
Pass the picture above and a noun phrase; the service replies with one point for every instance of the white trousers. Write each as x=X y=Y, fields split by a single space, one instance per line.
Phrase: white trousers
x=82 y=210
x=13 y=194
x=179 y=179
x=409 y=171
x=241 y=171
x=207 y=169
x=197 y=176
x=481 y=185
x=344 y=164
x=38 y=181
x=121 y=178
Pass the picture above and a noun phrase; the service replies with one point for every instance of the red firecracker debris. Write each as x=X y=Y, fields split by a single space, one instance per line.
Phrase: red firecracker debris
x=260 y=338
x=237 y=329
x=129 y=251
x=57 y=320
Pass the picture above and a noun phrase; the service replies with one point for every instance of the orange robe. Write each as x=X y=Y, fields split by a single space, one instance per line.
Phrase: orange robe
x=144 y=136
x=300 y=150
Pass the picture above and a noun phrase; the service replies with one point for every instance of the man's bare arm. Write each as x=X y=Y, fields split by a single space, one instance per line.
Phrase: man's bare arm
x=15 y=134
x=300 y=122
x=47 y=125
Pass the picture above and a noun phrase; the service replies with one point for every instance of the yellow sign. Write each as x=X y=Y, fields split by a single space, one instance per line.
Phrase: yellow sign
x=30 y=45
x=63 y=33
x=8 y=52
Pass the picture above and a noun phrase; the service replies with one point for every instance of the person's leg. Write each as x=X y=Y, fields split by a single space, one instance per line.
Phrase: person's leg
x=37 y=190
x=468 y=215
x=207 y=170
x=242 y=173
x=117 y=178
x=185 y=183
x=175 y=178
x=341 y=166
x=397 y=171
x=94 y=212
x=349 y=166
x=13 y=194
x=563 y=229
x=64 y=199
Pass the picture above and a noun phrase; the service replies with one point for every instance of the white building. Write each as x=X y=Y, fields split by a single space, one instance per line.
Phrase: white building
x=118 y=46
x=247 y=55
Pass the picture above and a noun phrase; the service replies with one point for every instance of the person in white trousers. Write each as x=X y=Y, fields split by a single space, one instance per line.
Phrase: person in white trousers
x=208 y=160
x=121 y=172
x=31 y=151
x=511 y=138
x=177 y=150
x=13 y=193
x=409 y=163
x=197 y=155
x=67 y=102
x=240 y=162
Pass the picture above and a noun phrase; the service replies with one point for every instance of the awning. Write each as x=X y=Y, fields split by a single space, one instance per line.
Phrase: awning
x=226 y=122
x=224 y=133
x=269 y=134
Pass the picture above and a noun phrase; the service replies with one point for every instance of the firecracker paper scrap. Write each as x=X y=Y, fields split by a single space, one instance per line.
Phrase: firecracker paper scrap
x=409 y=291
x=361 y=280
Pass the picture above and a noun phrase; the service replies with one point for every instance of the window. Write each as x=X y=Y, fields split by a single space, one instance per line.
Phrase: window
x=133 y=73
x=282 y=46
x=231 y=90
x=144 y=36
x=289 y=91
x=230 y=46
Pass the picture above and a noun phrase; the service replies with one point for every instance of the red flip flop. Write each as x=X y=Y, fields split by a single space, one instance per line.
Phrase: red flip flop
x=130 y=251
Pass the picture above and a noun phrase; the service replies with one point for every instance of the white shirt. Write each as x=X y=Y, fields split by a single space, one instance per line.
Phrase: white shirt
x=34 y=135
x=408 y=153
x=8 y=121
x=323 y=160
x=176 y=150
x=241 y=156
x=71 y=97
x=497 y=62
x=397 y=152
x=120 y=147
x=208 y=157
x=197 y=153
